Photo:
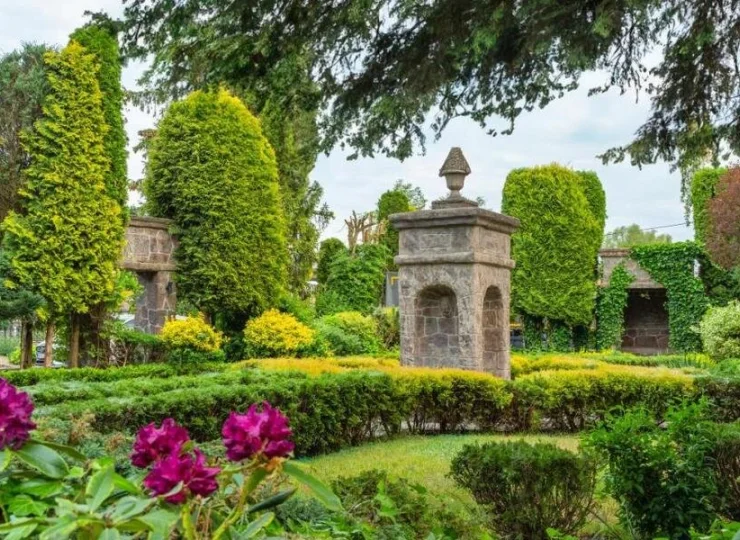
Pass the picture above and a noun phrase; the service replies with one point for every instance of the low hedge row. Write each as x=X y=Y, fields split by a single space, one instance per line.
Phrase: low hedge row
x=347 y=404
x=30 y=377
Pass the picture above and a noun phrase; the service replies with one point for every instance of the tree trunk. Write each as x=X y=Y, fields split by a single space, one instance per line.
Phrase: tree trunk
x=49 y=344
x=74 y=341
x=27 y=351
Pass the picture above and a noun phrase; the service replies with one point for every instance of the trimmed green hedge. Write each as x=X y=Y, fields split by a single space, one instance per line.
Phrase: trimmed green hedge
x=329 y=411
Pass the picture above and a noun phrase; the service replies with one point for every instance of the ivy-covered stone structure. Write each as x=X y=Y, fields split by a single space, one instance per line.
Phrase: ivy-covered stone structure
x=150 y=253
x=454 y=272
x=645 y=327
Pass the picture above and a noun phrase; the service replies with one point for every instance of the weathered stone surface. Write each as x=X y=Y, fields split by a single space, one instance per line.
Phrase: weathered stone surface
x=150 y=252
x=611 y=258
x=454 y=272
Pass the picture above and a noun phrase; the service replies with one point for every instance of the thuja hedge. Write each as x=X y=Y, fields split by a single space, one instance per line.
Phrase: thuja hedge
x=349 y=405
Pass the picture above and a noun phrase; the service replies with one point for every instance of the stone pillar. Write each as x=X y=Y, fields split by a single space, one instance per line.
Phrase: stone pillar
x=454 y=271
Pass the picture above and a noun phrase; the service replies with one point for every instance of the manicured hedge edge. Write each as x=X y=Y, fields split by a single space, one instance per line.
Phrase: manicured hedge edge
x=333 y=410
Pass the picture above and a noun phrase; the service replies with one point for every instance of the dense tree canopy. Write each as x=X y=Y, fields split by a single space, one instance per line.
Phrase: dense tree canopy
x=393 y=201
x=23 y=86
x=380 y=78
x=555 y=246
x=328 y=250
x=100 y=38
x=213 y=172
x=632 y=235
x=67 y=243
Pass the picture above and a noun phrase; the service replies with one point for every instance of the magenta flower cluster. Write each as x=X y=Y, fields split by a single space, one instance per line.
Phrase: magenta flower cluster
x=15 y=416
x=257 y=433
x=165 y=447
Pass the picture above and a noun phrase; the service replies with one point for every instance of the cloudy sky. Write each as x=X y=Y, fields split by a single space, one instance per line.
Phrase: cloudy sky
x=571 y=131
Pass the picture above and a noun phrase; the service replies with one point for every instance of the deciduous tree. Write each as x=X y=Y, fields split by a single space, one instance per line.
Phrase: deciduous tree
x=632 y=235
x=723 y=237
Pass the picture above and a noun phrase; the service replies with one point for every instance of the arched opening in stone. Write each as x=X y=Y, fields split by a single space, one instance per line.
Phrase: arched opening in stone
x=495 y=349
x=436 y=328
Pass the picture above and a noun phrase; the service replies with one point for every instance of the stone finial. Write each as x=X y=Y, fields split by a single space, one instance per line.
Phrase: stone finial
x=454 y=169
x=455 y=163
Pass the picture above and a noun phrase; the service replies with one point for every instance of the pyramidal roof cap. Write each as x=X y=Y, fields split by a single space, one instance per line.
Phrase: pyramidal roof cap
x=455 y=163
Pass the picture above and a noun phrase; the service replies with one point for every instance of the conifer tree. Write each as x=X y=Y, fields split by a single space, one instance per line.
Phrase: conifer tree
x=67 y=244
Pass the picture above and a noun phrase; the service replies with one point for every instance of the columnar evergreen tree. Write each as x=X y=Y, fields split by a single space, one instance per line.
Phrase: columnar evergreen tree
x=23 y=86
x=393 y=201
x=212 y=171
x=100 y=38
x=328 y=250
x=67 y=244
x=555 y=247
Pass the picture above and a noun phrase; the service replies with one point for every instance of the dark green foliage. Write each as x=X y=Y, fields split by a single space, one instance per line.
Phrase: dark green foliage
x=100 y=38
x=721 y=286
x=703 y=189
x=556 y=245
x=381 y=80
x=528 y=488
x=388 y=323
x=373 y=497
x=15 y=303
x=293 y=136
x=632 y=235
x=560 y=337
x=211 y=170
x=533 y=328
x=672 y=265
x=393 y=201
x=726 y=455
x=184 y=357
x=328 y=249
x=355 y=281
x=301 y=309
x=131 y=346
x=23 y=87
x=610 y=306
x=349 y=333
x=662 y=476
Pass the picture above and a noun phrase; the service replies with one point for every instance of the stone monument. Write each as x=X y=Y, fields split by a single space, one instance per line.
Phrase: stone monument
x=454 y=271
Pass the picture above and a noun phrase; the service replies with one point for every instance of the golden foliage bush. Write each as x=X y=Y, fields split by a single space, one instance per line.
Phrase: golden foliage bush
x=277 y=334
x=191 y=333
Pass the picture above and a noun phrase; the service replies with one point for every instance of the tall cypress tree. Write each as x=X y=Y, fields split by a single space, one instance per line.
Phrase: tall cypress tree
x=67 y=245
x=100 y=38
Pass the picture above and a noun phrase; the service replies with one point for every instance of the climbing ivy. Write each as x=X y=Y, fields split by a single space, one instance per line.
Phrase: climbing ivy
x=672 y=265
x=610 y=305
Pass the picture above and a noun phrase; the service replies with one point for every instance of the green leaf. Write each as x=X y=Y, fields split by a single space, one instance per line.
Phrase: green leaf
x=64 y=527
x=160 y=522
x=125 y=484
x=16 y=523
x=41 y=487
x=5 y=457
x=130 y=507
x=100 y=487
x=23 y=505
x=109 y=534
x=321 y=491
x=271 y=502
x=63 y=449
x=43 y=459
x=257 y=525
x=22 y=532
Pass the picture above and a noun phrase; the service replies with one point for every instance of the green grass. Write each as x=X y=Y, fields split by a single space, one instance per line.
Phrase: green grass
x=423 y=460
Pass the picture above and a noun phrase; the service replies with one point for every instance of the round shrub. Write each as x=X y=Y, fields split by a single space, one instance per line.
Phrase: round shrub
x=528 y=488
x=192 y=333
x=276 y=334
x=720 y=331
x=349 y=332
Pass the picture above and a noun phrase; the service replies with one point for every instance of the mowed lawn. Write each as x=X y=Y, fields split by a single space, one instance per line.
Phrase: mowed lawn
x=420 y=459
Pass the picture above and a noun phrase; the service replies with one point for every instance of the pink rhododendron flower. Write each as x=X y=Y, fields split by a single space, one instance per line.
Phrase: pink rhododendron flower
x=191 y=470
x=15 y=416
x=153 y=443
x=253 y=433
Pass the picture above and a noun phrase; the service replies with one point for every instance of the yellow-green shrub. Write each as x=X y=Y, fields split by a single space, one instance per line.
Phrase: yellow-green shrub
x=349 y=333
x=191 y=333
x=277 y=334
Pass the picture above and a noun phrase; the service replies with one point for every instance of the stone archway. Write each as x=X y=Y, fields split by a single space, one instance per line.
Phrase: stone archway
x=437 y=326
x=495 y=329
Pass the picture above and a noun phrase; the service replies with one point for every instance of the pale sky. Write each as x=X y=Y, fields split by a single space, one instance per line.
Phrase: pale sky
x=571 y=131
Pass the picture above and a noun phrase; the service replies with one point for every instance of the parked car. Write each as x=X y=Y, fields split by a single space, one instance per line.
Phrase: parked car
x=41 y=352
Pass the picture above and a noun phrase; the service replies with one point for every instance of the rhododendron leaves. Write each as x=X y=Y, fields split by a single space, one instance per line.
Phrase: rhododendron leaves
x=5 y=457
x=100 y=487
x=321 y=491
x=272 y=502
x=43 y=459
x=63 y=449
x=257 y=525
